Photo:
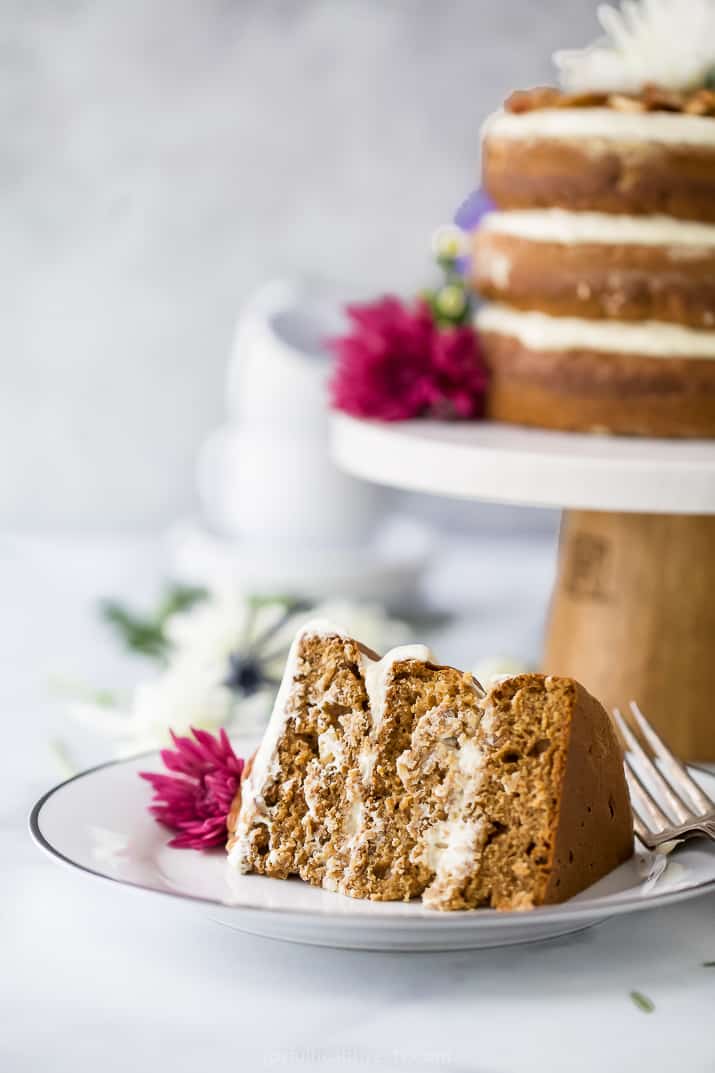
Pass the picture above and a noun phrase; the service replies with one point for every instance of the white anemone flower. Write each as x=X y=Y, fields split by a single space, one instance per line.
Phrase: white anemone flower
x=182 y=697
x=210 y=630
x=670 y=43
x=225 y=660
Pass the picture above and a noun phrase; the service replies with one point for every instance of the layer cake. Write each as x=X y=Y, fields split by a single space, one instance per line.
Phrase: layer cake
x=598 y=265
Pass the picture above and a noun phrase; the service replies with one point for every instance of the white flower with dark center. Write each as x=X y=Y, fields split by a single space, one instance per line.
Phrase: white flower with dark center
x=181 y=697
x=670 y=43
x=225 y=659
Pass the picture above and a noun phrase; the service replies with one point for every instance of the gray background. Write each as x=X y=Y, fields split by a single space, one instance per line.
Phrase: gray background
x=159 y=160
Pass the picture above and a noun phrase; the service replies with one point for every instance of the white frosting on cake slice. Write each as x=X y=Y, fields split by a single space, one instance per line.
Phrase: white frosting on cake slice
x=377 y=675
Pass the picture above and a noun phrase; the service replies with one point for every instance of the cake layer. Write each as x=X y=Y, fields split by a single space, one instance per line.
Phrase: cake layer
x=582 y=389
x=602 y=160
x=594 y=273
x=393 y=778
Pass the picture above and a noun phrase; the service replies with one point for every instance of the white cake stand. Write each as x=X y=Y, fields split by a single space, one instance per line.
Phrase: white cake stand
x=633 y=610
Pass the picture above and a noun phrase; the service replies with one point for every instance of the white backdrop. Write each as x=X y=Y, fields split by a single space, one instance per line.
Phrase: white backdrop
x=161 y=158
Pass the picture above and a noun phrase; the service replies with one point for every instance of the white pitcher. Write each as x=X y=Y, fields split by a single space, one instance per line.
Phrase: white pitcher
x=267 y=474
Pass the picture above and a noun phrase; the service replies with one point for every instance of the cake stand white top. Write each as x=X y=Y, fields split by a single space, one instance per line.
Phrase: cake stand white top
x=508 y=464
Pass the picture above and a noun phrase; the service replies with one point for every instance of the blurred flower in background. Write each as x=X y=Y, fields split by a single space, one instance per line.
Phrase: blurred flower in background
x=421 y=358
x=401 y=361
x=472 y=209
x=221 y=661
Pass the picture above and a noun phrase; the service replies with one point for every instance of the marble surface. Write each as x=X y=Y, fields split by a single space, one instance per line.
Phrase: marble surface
x=94 y=976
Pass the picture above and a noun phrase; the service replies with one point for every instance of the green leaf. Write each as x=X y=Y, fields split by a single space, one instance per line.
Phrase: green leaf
x=138 y=635
x=709 y=964
x=709 y=82
x=147 y=635
x=179 y=598
x=642 y=1001
x=259 y=600
x=447 y=264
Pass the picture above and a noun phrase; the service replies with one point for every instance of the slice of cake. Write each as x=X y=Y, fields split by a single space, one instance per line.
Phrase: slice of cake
x=396 y=778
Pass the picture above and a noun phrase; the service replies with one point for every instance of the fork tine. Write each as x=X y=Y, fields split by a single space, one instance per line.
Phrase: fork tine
x=643 y=802
x=680 y=811
x=645 y=835
x=677 y=771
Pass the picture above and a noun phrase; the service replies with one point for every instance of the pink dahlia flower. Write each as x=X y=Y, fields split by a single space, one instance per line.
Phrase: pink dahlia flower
x=196 y=800
x=397 y=363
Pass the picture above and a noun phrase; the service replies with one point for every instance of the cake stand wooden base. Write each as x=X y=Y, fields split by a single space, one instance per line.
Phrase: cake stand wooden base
x=633 y=617
x=633 y=612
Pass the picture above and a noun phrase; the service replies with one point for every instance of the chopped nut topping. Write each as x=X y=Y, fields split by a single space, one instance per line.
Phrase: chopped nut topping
x=652 y=98
x=701 y=103
x=662 y=100
x=582 y=100
x=621 y=103
x=528 y=100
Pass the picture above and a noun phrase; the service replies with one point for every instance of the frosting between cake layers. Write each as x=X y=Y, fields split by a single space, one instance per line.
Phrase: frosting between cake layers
x=654 y=339
x=449 y=847
x=598 y=228
x=670 y=128
x=377 y=672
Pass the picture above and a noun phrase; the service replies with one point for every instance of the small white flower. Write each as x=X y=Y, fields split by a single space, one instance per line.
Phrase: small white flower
x=185 y=695
x=450 y=242
x=670 y=43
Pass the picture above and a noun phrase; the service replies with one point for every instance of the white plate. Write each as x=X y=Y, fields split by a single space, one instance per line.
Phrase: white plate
x=98 y=822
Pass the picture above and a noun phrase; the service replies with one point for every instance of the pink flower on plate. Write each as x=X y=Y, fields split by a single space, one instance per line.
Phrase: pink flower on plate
x=196 y=800
x=397 y=363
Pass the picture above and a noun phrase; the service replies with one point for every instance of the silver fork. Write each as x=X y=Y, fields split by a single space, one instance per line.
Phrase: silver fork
x=682 y=809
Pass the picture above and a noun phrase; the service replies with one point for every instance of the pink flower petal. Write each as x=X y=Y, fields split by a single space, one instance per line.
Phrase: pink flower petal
x=397 y=364
x=196 y=800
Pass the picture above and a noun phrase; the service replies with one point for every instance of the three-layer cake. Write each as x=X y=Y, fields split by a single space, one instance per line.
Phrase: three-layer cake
x=598 y=264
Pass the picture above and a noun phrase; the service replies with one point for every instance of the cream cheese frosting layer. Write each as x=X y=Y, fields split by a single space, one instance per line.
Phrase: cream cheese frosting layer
x=668 y=128
x=572 y=228
x=377 y=674
x=654 y=339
